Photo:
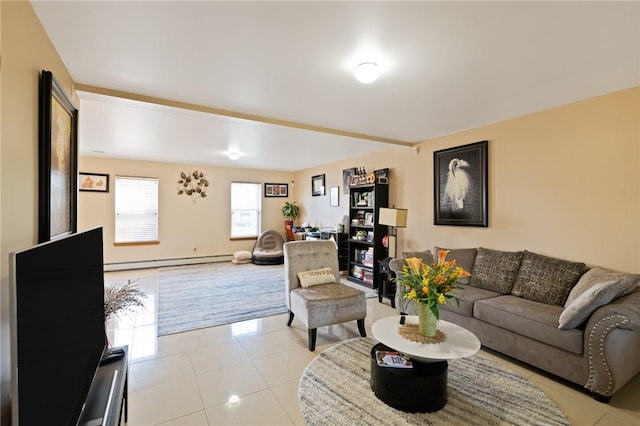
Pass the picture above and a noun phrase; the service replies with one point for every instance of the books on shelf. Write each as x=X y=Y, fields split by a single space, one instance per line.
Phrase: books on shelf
x=357 y=272
x=393 y=359
x=367 y=257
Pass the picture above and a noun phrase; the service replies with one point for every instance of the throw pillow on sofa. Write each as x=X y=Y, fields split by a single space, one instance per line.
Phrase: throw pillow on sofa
x=546 y=279
x=597 y=275
x=426 y=256
x=495 y=270
x=464 y=258
x=600 y=294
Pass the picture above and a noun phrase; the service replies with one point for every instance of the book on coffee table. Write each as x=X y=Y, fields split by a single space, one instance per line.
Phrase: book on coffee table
x=393 y=359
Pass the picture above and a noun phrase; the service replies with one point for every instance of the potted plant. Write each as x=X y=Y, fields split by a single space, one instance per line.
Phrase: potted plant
x=290 y=211
x=361 y=235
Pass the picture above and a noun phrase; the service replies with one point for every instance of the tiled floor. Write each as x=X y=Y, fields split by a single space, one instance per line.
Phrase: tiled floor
x=188 y=378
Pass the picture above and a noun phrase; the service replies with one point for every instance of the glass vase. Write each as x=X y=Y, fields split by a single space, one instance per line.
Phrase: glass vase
x=427 y=321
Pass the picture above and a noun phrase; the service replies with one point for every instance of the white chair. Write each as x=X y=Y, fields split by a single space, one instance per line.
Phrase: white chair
x=322 y=304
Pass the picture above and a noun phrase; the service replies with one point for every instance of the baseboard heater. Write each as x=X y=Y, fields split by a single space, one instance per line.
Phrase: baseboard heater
x=156 y=263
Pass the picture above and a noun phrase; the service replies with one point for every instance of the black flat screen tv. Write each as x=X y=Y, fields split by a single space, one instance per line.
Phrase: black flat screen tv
x=57 y=330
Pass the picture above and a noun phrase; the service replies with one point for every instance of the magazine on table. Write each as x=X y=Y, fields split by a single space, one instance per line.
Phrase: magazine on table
x=393 y=359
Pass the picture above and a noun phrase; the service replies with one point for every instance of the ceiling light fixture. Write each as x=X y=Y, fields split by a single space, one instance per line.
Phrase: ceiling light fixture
x=233 y=155
x=367 y=72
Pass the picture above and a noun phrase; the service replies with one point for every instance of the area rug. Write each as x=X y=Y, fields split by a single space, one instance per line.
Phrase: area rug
x=199 y=296
x=334 y=390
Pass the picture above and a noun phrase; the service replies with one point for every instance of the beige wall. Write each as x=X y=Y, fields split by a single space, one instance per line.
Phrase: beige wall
x=26 y=50
x=562 y=182
x=186 y=229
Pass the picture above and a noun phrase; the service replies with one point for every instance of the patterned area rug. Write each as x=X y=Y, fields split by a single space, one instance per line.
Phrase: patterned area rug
x=199 y=296
x=335 y=390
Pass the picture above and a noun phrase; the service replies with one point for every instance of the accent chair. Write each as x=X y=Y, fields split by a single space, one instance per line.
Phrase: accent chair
x=313 y=289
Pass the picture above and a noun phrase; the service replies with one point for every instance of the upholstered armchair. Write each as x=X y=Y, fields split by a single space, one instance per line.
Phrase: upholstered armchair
x=313 y=289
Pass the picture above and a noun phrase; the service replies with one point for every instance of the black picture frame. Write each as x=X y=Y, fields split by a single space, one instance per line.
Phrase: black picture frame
x=347 y=177
x=57 y=161
x=276 y=189
x=93 y=182
x=317 y=185
x=461 y=182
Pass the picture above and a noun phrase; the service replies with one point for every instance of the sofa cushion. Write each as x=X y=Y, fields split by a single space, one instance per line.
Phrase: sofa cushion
x=546 y=279
x=426 y=256
x=468 y=296
x=597 y=275
x=535 y=320
x=463 y=257
x=495 y=270
x=596 y=288
x=582 y=307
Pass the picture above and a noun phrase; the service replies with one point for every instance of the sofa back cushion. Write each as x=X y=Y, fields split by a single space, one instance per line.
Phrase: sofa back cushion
x=546 y=279
x=426 y=256
x=495 y=270
x=464 y=258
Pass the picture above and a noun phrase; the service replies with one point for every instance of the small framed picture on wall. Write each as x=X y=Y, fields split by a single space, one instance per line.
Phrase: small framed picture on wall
x=317 y=185
x=276 y=190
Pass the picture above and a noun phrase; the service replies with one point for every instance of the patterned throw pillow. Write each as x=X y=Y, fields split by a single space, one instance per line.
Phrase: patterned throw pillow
x=495 y=270
x=464 y=258
x=546 y=279
x=316 y=277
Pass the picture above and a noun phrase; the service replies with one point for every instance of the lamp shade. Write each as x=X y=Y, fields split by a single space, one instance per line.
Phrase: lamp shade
x=393 y=217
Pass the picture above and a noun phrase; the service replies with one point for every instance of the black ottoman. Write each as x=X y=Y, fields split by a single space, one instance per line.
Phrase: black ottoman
x=420 y=389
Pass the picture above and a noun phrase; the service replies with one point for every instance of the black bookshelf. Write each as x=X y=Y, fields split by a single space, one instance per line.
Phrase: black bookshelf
x=365 y=252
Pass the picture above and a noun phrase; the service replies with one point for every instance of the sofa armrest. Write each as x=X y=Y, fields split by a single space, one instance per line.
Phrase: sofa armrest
x=612 y=342
x=396 y=264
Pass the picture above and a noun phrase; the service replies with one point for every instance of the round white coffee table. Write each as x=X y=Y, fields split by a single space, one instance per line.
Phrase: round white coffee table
x=422 y=388
x=459 y=343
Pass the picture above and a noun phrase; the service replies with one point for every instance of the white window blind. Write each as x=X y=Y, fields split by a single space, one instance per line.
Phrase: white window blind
x=245 y=209
x=136 y=209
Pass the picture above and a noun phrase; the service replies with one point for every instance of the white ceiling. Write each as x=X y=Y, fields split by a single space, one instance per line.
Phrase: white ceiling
x=446 y=67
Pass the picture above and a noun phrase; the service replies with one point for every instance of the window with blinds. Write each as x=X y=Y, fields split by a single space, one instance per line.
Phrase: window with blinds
x=136 y=209
x=245 y=209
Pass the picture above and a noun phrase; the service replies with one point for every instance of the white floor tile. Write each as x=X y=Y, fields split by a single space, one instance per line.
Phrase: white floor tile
x=261 y=408
x=187 y=378
x=241 y=379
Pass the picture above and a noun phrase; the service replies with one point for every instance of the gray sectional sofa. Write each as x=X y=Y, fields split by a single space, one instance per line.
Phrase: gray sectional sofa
x=576 y=322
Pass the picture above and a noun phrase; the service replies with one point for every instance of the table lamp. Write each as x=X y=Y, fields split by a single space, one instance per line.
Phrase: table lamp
x=393 y=218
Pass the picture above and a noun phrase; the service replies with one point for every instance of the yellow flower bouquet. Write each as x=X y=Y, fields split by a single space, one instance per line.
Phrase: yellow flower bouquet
x=431 y=285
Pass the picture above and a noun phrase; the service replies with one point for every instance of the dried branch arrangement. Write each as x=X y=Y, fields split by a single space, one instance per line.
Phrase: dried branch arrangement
x=121 y=297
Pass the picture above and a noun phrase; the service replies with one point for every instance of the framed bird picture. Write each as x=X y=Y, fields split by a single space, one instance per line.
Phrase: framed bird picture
x=461 y=185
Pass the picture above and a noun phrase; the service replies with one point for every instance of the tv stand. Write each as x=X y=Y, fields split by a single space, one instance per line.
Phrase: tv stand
x=107 y=398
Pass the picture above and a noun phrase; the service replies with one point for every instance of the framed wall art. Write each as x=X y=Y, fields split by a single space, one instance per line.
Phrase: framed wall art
x=57 y=161
x=334 y=193
x=93 y=182
x=347 y=177
x=276 y=190
x=461 y=185
x=317 y=185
